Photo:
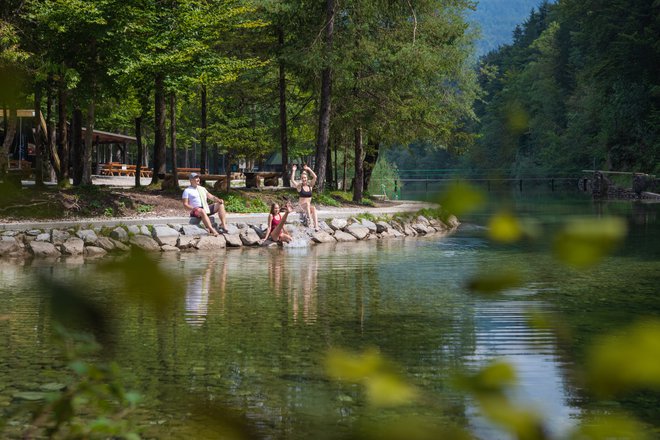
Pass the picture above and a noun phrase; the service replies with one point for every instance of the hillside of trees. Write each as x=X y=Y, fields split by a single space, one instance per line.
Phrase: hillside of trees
x=496 y=20
x=578 y=87
x=235 y=78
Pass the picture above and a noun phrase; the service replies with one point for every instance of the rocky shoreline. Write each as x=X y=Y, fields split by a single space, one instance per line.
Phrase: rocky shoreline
x=96 y=242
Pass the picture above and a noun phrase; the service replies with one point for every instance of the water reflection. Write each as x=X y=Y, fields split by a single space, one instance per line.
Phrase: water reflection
x=252 y=326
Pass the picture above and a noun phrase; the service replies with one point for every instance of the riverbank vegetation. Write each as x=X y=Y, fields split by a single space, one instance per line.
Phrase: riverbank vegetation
x=577 y=89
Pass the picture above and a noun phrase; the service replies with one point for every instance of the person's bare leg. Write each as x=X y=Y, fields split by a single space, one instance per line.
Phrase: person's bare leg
x=207 y=222
x=307 y=211
x=314 y=217
x=222 y=214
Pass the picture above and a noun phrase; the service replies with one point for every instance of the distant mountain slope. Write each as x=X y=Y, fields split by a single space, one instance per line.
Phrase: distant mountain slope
x=497 y=19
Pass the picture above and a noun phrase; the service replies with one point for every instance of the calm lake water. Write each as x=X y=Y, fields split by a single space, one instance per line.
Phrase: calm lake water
x=249 y=329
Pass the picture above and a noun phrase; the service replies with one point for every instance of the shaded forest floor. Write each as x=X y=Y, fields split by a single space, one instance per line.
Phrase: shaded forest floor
x=105 y=201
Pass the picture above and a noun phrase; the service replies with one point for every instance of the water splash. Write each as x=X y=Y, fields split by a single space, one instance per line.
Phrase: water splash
x=300 y=239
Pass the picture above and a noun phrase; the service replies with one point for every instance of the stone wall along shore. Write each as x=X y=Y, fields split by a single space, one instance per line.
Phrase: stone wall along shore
x=98 y=242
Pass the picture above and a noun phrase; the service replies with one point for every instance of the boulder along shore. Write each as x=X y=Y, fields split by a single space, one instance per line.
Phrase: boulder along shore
x=98 y=241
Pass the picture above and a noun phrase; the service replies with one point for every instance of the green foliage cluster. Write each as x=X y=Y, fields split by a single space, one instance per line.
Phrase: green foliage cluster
x=577 y=88
x=238 y=203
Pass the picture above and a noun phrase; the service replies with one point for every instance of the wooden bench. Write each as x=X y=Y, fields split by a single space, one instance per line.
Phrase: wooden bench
x=184 y=173
x=270 y=178
x=20 y=168
x=219 y=184
x=120 y=169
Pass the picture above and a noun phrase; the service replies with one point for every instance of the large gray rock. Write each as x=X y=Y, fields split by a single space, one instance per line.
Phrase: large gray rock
x=133 y=230
x=423 y=220
x=43 y=237
x=33 y=232
x=169 y=248
x=338 y=224
x=438 y=225
x=187 y=241
x=73 y=246
x=260 y=232
x=396 y=234
x=270 y=244
x=119 y=246
x=165 y=235
x=57 y=236
x=119 y=234
x=241 y=225
x=453 y=222
x=342 y=236
x=369 y=225
x=233 y=240
x=382 y=226
x=409 y=231
x=249 y=237
x=144 y=230
x=210 y=243
x=421 y=229
x=43 y=249
x=357 y=230
x=8 y=245
x=194 y=231
x=106 y=243
x=232 y=229
x=88 y=236
x=10 y=233
x=325 y=227
x=322 y=237
x=145 y=243
x=94 y=252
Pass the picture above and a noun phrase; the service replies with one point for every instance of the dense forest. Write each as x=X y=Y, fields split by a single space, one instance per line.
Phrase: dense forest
x=578 y=88
x=319 y=81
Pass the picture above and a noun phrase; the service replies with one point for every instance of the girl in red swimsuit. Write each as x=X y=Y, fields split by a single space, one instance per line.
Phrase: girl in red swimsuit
x=276 y=221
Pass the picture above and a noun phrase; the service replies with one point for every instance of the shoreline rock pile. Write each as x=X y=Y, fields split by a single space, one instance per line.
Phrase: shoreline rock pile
x=98 y=242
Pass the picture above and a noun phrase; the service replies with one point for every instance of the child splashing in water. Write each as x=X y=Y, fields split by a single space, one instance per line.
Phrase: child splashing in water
x=304 y=188
x=276 y=221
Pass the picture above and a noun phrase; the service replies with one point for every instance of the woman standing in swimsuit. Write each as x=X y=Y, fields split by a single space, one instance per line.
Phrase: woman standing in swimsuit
x=276 y=221
x=304 y=188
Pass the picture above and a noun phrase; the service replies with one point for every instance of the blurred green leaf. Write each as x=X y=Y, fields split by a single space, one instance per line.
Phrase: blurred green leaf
x=584 y=242
x=461 y=198
x=614 y=426
x=411 y=427
x=144 y=279
x=389 y=390
x=493 y=282
x=505 y=228
x=494 y=378
x=341 y=365
x=520 y=421
x=627 y=360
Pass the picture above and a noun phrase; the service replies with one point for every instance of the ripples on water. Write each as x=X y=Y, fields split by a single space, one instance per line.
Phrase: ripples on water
x=252 y=327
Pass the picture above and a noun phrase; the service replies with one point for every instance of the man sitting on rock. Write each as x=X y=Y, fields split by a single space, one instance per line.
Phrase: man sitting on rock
x=195 y=199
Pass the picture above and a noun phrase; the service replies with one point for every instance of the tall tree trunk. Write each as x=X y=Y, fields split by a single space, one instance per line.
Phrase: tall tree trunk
x=62 y=133
x=336 y=144
x=326 y=92
x=160 y=134
x=216 y=159
x=10 y=133
x=173 y=138
x=370 y=160
x=228 y=159
x=284 y=139
x=50 y=126
x=329 y=181
x=358 y=181
x=89 y=143
x=203 y=149
x=138 y=162
x=343 y=183
x=38 y=138
x=76 y=134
